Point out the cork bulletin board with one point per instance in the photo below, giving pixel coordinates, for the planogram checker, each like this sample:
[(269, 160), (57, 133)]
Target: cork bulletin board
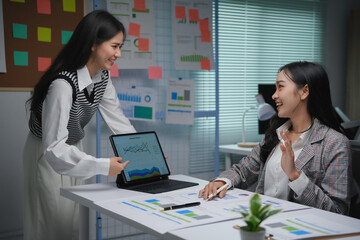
[(34, 33)]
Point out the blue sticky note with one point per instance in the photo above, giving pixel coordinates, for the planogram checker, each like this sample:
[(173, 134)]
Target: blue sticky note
[(19, 31), (65, 36), (21, 58)]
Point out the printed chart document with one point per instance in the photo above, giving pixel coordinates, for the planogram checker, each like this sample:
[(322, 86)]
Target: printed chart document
[(138, 103), (180, 102), (192, 25), (146, 209), (138, 51), (305, 225)]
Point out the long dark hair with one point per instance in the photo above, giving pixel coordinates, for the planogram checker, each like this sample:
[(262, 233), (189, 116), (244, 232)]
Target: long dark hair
[(319, 103), (95, 28)]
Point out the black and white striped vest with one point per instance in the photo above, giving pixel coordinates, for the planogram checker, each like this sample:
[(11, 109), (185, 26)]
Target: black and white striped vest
[(82, 109)]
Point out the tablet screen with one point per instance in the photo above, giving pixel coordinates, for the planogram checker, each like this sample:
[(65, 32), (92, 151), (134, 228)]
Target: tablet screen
[(144, 152)]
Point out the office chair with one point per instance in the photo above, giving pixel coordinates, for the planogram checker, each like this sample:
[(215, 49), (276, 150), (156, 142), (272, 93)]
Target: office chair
[(352, 129), (355, 190)]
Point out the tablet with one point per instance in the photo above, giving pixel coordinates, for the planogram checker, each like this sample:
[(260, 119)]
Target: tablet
[(147, 160)]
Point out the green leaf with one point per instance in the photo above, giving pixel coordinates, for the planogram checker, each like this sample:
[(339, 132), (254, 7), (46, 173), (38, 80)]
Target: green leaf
[(273, 212), (255, 204), (257, 214), (265, 209), (253, 222)]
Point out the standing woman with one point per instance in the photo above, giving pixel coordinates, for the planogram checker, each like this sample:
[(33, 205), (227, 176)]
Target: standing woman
[(62, 104), (304, 157)]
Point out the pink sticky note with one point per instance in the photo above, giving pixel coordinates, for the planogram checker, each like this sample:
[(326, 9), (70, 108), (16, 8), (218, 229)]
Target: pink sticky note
[(43, 63), (139, 5), (206, 36), (114, 71), (143, 44), (193, 15), (155, 72), (180, 12), (134, 29), (205, 64), (204, 25), (43, 6)]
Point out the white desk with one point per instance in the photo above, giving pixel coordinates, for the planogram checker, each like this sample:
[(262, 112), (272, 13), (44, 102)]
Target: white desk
[(87, 195), (225, 230), (90, 196), (233, 149)]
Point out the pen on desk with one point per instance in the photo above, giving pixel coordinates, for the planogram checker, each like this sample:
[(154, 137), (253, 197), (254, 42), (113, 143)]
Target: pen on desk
[(218, 191), (180, 206)]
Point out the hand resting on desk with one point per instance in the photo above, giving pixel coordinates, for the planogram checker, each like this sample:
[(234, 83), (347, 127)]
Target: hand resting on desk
[(211, 188)]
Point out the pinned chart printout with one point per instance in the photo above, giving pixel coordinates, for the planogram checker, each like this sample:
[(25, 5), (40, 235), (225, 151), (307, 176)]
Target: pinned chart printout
[(137, 16), (192, 25), (146, 209), (138, 103), (180, 102)]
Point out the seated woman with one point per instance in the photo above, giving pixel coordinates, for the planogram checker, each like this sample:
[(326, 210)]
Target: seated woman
[(304, 156)]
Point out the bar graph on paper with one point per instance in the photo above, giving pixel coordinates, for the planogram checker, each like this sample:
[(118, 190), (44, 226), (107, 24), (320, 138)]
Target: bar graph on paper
[(180, 102), (143, 209), (305, 226), (138, 103)]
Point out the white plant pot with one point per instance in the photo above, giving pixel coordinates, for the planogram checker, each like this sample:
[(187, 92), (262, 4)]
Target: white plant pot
[(246, 235)]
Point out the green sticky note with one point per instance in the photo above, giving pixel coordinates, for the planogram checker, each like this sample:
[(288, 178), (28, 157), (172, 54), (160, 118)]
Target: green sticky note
[(44, 34), (19, 31), (65, 36), (21, 58), (20, 1), (69, 6)]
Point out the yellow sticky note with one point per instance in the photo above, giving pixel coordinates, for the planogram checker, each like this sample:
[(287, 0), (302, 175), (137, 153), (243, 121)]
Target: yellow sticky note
[(44, 34), (20, 1), (69, 6)]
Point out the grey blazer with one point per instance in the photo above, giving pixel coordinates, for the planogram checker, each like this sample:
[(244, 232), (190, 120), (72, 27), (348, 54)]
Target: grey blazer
[(326, 161)]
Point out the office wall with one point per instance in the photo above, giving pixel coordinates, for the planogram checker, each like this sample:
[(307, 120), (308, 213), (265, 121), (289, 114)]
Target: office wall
[(335, 47), (13, 120)]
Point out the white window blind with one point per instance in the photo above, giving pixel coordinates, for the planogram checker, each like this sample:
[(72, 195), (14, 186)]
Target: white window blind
[(256, 37)]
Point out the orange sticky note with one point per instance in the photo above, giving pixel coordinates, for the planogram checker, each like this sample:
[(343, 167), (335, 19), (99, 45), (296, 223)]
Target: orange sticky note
[(206, 36), (193, 15), (139, 5), (143, 44), (155, 72), (43, 63), (204, 25), (134, 29), (114, 71), (43, 6), (205, 64), (180, 12)]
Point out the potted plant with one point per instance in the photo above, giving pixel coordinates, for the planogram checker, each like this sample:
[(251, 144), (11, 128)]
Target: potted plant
[(254, 217)]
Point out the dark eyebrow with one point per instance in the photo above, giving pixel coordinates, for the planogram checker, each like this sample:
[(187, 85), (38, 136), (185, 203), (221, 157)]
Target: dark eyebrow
[(279, 81)]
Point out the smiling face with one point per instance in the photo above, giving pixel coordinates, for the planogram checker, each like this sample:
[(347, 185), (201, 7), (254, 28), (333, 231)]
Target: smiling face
[(104, 55), (290, 100)]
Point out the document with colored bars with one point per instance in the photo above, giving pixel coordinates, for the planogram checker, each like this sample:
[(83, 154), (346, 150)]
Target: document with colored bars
[(139, 48), (138, 103), (180, 102), (146, 211)]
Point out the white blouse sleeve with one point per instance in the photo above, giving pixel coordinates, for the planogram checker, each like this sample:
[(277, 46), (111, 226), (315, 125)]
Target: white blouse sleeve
[(111, 112), (64, 158)]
